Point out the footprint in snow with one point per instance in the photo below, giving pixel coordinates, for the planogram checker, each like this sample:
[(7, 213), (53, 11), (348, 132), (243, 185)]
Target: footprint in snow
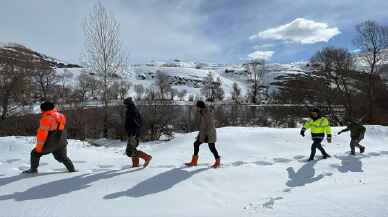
[(282, 160), (287, 190), (299, 157), (12, 160), (79, 161), (384, 152), (238, 163), (105, 166), (263, 163), (22, 168), (270, 204), (373, 154)]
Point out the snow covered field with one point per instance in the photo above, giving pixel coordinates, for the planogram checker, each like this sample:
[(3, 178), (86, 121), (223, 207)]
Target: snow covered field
[(263, 174)]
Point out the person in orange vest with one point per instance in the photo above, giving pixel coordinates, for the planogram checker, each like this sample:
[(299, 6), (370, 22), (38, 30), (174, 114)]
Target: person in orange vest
[(51, 138)]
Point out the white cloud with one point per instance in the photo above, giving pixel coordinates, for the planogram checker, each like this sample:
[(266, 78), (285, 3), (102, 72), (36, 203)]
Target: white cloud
[(264, 55), (301, 31)]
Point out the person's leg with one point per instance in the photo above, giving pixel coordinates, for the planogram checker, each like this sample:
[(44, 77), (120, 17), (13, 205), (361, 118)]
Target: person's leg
[(34, 162), (131, 151), (353, 144), (361, 147), (61, 156), (196, 147), (318, 145), (194, 159), (213, 149), (313, 151)]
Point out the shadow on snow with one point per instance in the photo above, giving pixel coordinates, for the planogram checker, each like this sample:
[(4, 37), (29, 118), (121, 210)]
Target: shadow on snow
[(157, 184), (60, 187)]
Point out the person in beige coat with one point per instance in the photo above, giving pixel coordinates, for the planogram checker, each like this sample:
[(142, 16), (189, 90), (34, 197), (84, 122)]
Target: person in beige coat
[(207, 134)]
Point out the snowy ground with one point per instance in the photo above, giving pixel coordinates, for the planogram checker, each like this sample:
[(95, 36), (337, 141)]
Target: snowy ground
[(263, 174)]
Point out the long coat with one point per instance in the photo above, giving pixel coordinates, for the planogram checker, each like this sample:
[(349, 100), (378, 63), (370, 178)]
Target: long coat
[(207, 130), (133, 121)]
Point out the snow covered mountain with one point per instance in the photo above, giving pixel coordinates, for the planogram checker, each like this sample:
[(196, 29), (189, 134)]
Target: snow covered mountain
[(262, 174), (20, 50)]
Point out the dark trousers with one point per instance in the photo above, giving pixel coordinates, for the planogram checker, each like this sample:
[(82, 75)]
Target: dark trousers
[(60, 155), (131, 150), (355, 143), (317, 145), (212, 147)]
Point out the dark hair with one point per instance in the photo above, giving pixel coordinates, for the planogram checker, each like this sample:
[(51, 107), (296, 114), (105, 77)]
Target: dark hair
[(201, 104), (47, 106)]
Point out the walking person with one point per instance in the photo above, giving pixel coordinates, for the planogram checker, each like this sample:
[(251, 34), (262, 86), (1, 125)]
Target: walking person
[(51, 138), (319, 126), (133, 126), (207, 134), (357, 133)]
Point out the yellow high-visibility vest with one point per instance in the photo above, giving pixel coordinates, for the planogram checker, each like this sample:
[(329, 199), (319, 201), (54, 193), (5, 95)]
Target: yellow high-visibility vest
[(320, 125)]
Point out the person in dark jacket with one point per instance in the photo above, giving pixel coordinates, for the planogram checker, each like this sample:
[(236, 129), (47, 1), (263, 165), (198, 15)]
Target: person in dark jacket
[(319, 126), (51, 138), (133, 126), (207, 134), (357, 132)]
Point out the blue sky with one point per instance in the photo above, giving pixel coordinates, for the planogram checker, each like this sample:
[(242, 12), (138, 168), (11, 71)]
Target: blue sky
[(223, 31)]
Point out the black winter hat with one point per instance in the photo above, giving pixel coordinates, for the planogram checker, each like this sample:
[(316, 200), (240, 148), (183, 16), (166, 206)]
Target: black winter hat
[(47, 106), (128, 101), (316, 110), (201, 104)]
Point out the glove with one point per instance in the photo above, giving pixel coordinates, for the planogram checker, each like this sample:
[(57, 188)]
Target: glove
[(329, 139), (302, 132)]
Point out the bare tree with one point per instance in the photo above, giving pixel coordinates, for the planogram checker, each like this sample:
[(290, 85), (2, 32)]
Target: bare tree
[(45, 78), (124, 87), (182, 94), (103, 52), (372, 39), (139, 90), (256, 69), (335, 65), (173, 93), (236, 94), (219, 91), (212, 90), (163, 83)]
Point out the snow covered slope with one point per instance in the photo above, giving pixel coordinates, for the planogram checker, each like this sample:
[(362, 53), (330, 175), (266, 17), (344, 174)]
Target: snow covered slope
[(263, 174)]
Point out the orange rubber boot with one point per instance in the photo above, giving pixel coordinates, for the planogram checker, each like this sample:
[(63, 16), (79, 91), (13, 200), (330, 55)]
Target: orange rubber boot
[(135, 162), (194, 161), (217, 164), (147, 158)]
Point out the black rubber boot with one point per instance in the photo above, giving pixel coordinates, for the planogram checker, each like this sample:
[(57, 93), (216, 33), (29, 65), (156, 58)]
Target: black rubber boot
[(34, 161), (362, 149), (69, 165)]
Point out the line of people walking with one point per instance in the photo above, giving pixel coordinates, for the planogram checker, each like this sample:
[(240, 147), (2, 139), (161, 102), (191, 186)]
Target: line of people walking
[(51, 136)]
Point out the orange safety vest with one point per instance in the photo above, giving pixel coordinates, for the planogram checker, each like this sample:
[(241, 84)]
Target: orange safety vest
[(50, 121)]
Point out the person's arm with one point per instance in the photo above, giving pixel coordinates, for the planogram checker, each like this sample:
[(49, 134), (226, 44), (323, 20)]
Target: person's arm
[(41, 136), (306, 126), (344, 130), (328, 131)]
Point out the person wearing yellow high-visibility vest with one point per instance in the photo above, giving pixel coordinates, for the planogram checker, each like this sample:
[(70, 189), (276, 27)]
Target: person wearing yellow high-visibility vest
[(319, 127)]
